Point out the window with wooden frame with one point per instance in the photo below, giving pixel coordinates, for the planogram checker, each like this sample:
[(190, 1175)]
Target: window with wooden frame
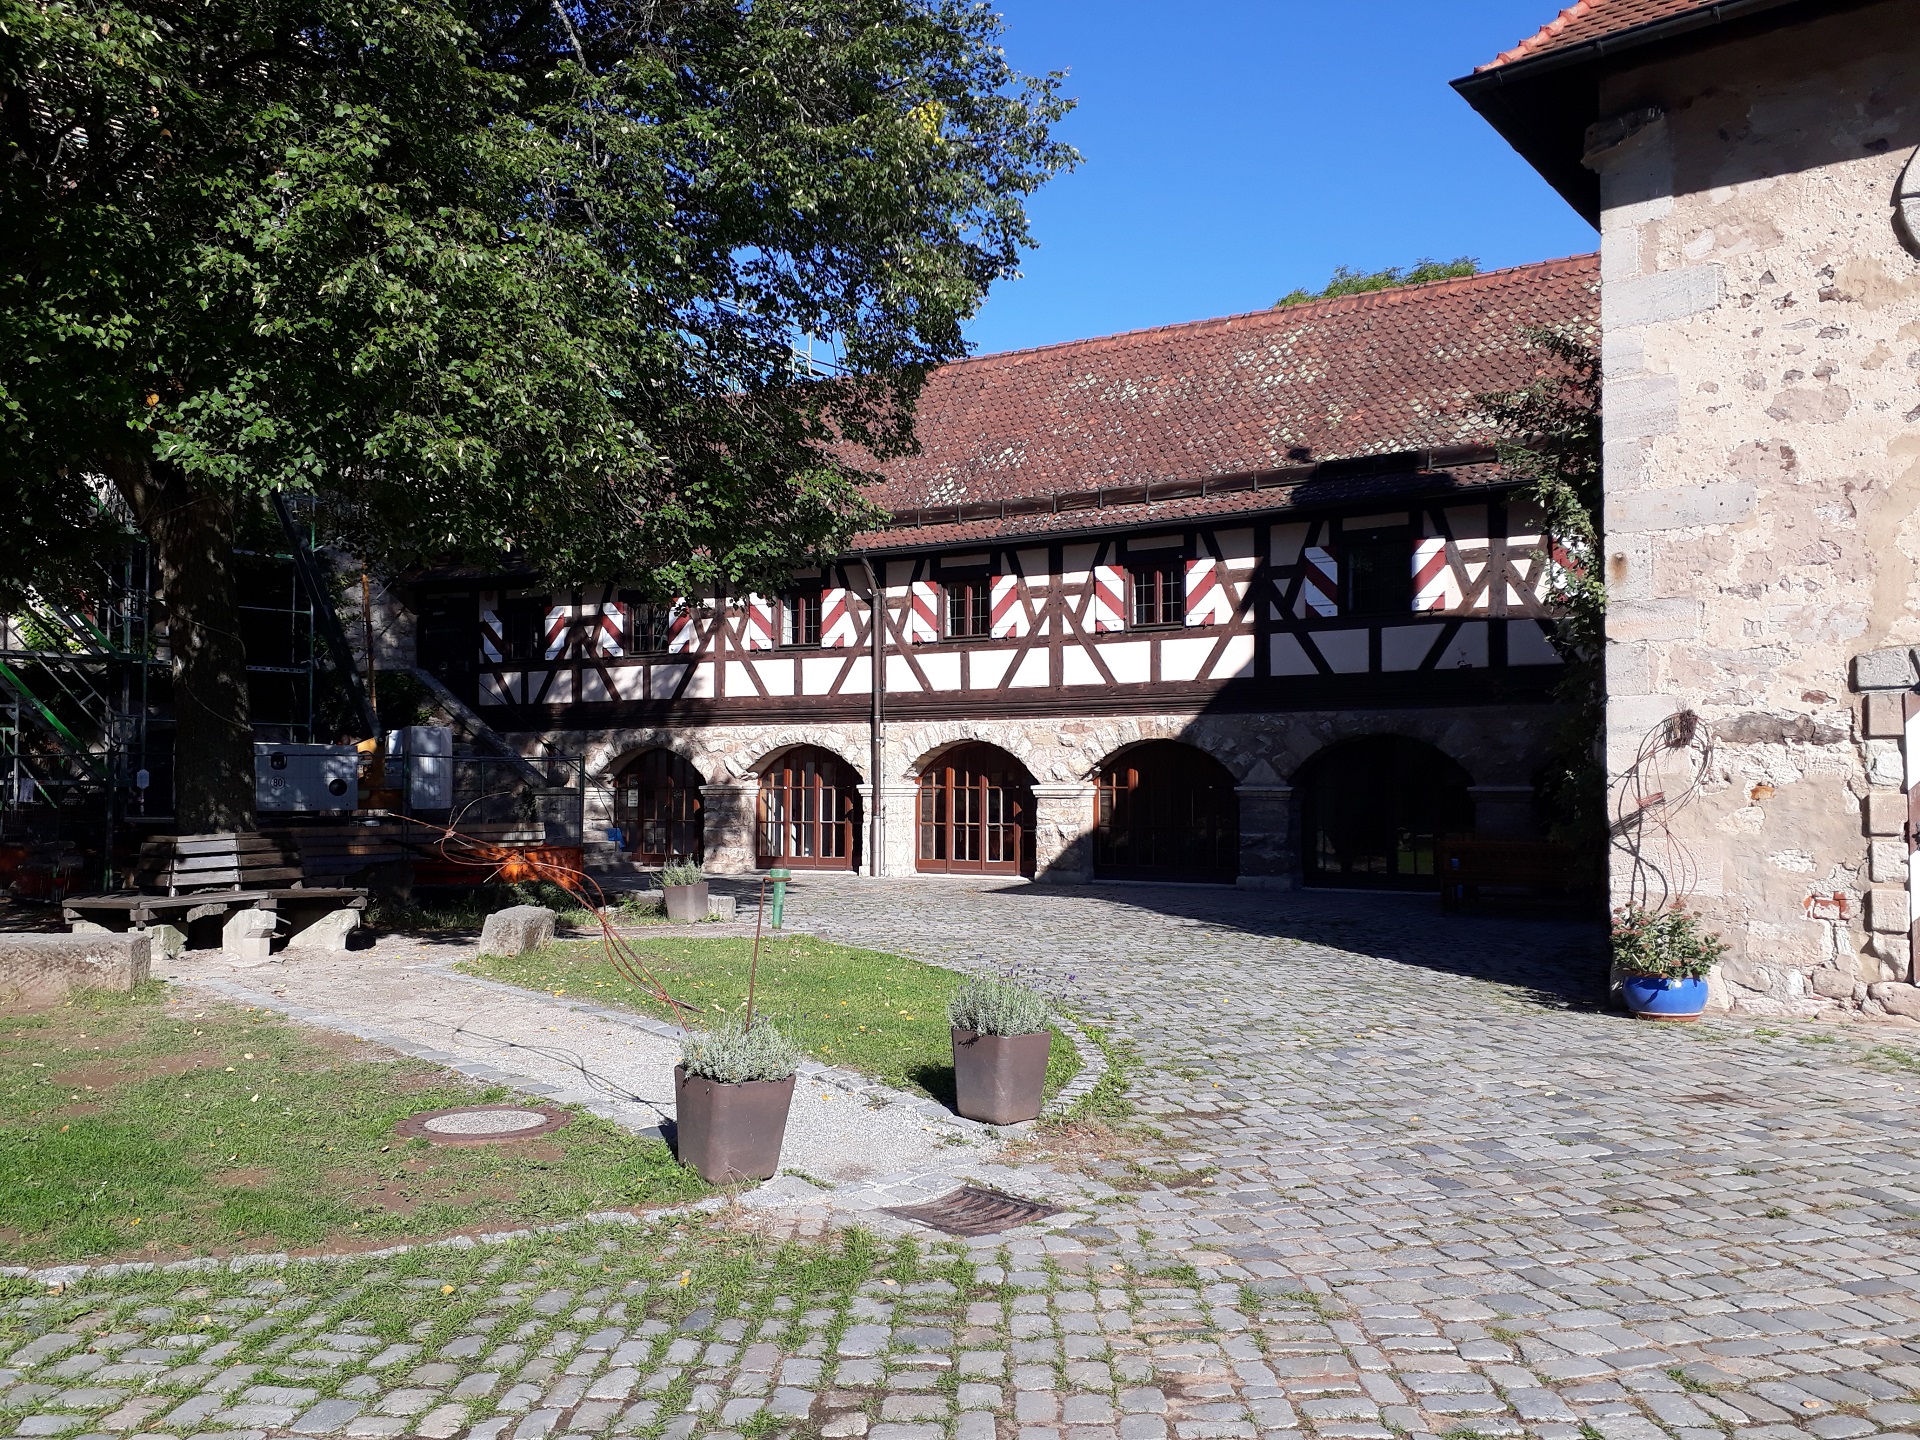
[(969, 607), (1159, 593), (800, 617), (523, 627), (1376, 573), (646, 624)]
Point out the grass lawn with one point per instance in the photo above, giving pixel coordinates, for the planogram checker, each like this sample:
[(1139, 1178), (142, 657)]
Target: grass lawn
[(882, 1015), (152, 1126)]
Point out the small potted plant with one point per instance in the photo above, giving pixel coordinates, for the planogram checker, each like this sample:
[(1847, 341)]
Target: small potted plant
[(1000, 1044), (686, 891), (1663, 958), (732, 1090)]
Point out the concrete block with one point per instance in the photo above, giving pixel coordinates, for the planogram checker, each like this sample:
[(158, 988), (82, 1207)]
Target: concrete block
[(1883, 716), (248, 935), (1886, 812), (329, 932), (1642, 406), (721, 907), (1663, 296), (44, 969), (516, 930), (1884, 669), (1887, 911), (1681, 508)]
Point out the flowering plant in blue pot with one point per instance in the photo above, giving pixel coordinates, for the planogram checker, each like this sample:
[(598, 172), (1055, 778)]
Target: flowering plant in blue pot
[(1663, 957)]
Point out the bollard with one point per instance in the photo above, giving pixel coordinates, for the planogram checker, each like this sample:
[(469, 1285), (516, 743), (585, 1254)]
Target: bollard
[(779, 879)]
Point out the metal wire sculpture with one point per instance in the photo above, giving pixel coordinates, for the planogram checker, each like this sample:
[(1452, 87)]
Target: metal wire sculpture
[(1665, 777)]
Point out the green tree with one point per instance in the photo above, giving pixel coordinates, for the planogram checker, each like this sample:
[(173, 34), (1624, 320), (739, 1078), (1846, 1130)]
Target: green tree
[(1360, 282), (1549, 436), (488, 276)]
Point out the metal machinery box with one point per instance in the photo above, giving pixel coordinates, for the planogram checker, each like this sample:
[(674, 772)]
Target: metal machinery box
[(305, 777), (423, 755)]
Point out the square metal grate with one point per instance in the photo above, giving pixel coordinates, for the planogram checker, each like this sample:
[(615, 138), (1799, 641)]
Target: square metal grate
[(974, 1210)]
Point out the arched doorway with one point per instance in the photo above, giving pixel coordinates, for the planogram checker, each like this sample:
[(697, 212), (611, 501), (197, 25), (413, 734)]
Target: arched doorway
[(809, 812), (656, 804), (1166, 812), (1373, 809), (975, 814)]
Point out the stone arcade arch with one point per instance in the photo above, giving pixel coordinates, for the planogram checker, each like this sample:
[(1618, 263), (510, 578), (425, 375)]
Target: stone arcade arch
[(808, 812), (659, 808), (1166, 811), (1373, 808), (974, 813)]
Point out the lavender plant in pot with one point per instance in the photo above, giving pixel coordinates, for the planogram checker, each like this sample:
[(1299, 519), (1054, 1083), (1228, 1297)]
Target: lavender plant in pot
[(732, 1090), (1000, 1044), (1663, 958), (685, 888)]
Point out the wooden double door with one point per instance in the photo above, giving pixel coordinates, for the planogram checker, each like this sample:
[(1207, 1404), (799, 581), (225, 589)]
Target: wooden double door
[(1166, 811), (974, 814), (809, 812), (658, 807)]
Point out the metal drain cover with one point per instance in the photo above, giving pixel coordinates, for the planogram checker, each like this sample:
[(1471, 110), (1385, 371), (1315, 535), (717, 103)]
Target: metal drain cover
[(482, 1124), (974, 1210)]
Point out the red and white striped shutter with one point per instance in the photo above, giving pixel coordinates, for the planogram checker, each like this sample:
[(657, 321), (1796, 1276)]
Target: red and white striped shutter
[(761, 614), (1320, 583), (1010, 620), (837, 630), (1435, 584), (610, 635), (492, 645), (923, 612), (1207, 600), (680, 630), (559, 624), (1108, 610)]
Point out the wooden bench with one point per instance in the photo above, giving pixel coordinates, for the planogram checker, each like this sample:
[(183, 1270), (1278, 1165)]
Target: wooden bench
[(1470, 868)]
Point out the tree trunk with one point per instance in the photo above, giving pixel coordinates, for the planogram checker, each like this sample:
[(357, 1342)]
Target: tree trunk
[(190, 528)]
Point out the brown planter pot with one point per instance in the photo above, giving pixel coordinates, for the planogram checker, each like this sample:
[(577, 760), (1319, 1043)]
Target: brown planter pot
[(730, 1132), (686, 903), (999, 1078)]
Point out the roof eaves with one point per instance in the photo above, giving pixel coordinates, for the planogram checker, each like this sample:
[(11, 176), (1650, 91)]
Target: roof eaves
[(1704, 17)]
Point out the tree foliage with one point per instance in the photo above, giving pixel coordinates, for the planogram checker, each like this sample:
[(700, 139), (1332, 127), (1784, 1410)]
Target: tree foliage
[(1360, 282), (1549, 436), (494, 275)]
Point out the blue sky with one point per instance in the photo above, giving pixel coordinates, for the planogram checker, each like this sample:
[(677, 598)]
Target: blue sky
[(1236, 149)]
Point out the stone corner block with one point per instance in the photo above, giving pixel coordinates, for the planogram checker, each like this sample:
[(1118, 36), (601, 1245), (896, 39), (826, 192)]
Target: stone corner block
[(516, 930), (1883, 715), (1897, 997), (1890, 669), (332, 931), (1885, 811), (43, 969), (1887, 911)]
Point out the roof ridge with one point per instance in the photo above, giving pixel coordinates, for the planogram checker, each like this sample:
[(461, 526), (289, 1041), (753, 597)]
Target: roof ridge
[(1335, 304)]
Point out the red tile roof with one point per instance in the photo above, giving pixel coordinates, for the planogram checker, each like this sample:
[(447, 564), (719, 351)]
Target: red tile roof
[(1376, 374), (1594, 20)]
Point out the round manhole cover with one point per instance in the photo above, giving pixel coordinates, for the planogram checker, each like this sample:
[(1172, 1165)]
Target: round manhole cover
[(482, 1124)]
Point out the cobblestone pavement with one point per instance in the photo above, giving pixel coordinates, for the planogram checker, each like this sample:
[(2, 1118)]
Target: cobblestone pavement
[(1415, 1180)]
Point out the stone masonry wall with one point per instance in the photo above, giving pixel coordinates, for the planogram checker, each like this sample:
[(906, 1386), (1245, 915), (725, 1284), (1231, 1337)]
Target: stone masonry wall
[(1762, 359), (1501, 747)]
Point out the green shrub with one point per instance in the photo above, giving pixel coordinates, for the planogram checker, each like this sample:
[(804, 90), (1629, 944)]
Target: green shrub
[(681, 872), (732, 1052), (988, 1005), (1666, 944)]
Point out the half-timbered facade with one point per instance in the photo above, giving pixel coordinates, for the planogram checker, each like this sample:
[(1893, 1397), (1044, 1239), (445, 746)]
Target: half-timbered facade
[(1146, 607)]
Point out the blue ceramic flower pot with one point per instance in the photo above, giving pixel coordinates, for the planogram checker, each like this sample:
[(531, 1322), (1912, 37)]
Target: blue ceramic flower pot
[(1651, 997)]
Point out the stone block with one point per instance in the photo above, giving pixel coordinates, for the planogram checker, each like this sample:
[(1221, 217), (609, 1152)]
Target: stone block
[(1898, 998), (1646, 406), (1883, 716), (1890, 669), (516, 930), (332, 931), (1681, 507), (1887, 911), (721, 907), (1831, 984), (168, 940), (248, 935), (43, 969), (1887, 862), (1886, 812), (1663, 296)]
